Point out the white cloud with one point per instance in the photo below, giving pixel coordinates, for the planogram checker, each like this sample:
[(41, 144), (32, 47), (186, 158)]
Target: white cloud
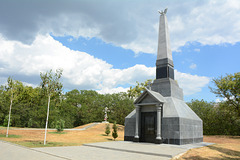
[(127, 24), (191, 84), (193, 66), (80, 70), (197, 50), (113, 90)]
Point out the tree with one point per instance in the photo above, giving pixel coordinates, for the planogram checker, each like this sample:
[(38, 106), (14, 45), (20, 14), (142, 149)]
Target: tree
[(119, 105), (52, 86), (11, 88), (217, 118), (6, 120), (114, 133), (92, 106), (107, 129), (229, 87), (136, 91), (206, 112)]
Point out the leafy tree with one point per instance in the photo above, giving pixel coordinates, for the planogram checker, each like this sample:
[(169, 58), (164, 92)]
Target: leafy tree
[(5, 122), (114, 132), (119, 105), (11, 87), (52, 86), (3, 105), (206, 112), (217, 119), (92, 106), (107, 129), (229, 87), (136, 91)]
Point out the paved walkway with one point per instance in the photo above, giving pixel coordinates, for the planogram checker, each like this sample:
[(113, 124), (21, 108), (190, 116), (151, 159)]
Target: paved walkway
[(119, 150), (10, 151)]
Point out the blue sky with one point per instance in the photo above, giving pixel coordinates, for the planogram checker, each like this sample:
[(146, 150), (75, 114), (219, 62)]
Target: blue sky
[(109, 45)]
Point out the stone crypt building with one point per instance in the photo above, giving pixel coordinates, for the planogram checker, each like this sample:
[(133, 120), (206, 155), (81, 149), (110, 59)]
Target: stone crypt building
[(161, 115)]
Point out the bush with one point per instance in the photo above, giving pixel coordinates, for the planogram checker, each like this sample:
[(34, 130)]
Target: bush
[(114, 133), (60, 125), (107, 131)]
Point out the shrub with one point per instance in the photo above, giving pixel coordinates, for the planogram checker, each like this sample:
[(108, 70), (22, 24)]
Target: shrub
[(107, 130), (114, 133), (60, 125)]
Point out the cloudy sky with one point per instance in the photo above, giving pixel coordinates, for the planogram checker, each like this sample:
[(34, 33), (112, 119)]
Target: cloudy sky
[(108, 45)]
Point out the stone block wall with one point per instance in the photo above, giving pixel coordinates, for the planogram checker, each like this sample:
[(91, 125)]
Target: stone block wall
[(181, 131), (130, 125)]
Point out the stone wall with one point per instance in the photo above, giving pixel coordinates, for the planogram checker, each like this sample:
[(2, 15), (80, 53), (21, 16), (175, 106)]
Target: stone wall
[(181, 131), (130, 125)]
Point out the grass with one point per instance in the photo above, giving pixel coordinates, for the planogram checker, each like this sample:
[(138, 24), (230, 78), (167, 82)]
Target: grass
[(57, 132), (225, 147), (34, 138), (36, 144), (10, 136)]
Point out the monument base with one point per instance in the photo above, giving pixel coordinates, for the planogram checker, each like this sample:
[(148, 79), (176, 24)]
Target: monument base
[(105, 122), (135, 139), (158, 141)]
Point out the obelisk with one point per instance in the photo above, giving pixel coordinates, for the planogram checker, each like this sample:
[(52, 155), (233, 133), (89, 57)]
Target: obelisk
[(165, 83)]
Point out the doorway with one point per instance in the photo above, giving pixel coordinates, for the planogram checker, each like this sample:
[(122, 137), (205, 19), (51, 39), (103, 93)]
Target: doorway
[(148, 127)]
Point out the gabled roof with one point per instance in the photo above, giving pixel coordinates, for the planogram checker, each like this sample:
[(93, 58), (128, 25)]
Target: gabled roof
[(157, 97)]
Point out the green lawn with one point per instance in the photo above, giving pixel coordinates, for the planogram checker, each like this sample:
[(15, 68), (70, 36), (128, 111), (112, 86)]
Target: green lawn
[(57, 132), (10, 136), (36, 144)]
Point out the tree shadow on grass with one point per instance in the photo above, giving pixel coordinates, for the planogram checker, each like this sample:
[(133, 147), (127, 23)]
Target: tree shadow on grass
[(234, 137), (225, 154), (110, 139), (225, 151)]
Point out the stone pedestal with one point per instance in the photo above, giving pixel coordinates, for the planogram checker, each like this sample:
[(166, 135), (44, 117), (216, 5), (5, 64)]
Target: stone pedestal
[(167, 87)]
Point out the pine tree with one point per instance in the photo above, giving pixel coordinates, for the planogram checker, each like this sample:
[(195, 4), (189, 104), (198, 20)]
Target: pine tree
[(107, 129), (114, 133)]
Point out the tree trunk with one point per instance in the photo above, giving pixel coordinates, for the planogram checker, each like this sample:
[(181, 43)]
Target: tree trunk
[(47, 120), (9, 117)]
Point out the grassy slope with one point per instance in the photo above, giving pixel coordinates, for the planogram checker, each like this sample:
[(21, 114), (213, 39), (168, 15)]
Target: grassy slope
[(34, 138)]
